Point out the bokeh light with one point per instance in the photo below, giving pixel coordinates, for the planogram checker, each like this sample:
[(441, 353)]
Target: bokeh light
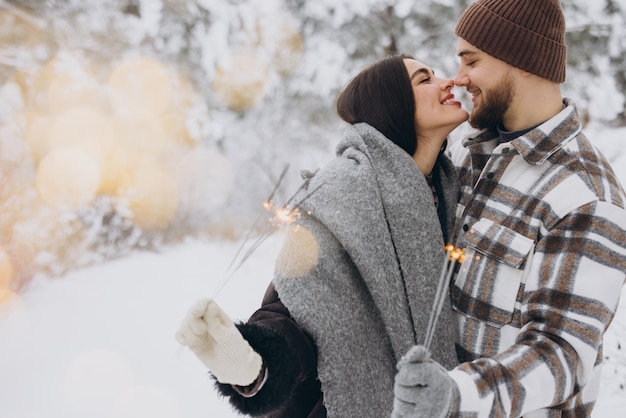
[(103, 140), (240, 81), (68, 178), (140, 81), (6, 269), (5, 295), (41, 237), (175, 126), (63, 81), (118, 162), (152, 194), (83, 128), (289, 48), (184, 92), (22, 259), (36, 133), (95, 379), (142, 128), (68, 90), (22, 38), (19, 30), (77, 138), (299, 254)]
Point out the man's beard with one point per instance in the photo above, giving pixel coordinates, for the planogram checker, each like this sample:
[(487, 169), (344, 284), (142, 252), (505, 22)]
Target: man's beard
[(490, 113)]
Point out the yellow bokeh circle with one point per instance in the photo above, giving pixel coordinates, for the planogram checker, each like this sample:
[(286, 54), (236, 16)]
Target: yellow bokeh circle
[(152, 195), (68, 178), (288, 50), (69, 90), (140, 81), (87, 129), (299, 254), (240, 81), (6, 269), (36, 135), (118, 164)]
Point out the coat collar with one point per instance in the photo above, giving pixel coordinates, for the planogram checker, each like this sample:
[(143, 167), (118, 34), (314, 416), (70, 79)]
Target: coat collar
[(537, 145), (408, 214)]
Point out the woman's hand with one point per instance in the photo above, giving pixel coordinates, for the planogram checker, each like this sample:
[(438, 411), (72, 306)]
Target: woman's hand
[(215, 340)]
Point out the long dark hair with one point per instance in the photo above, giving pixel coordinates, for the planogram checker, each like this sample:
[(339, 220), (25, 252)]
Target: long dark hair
[(381, 96)]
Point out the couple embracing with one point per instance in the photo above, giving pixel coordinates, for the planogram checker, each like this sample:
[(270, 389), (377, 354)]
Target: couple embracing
[(535, 208)]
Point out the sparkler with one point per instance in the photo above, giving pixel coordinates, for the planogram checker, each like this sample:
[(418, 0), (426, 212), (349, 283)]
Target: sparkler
[(284, 215), (450, 260)]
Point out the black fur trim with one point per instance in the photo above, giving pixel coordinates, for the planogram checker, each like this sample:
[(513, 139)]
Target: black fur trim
[(283, 369)]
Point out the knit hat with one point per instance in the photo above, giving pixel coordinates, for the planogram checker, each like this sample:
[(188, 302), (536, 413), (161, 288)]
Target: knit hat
[(528, 34)]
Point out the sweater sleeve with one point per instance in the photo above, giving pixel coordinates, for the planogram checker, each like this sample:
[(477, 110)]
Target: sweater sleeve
[(570, 296), (289, 358)]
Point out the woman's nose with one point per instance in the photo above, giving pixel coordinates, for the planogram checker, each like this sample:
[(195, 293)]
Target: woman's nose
[(447, 83)]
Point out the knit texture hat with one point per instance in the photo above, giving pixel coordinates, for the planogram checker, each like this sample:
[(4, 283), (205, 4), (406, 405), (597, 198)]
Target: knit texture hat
[(528, 34)]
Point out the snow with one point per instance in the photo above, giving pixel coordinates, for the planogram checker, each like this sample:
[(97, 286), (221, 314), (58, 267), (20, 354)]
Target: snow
[(99, 341)]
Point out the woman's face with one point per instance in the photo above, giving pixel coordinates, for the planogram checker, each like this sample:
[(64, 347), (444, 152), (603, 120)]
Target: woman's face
[(436, 111)]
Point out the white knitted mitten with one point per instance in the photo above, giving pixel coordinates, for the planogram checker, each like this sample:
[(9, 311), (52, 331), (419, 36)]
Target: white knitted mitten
[(215, 340)]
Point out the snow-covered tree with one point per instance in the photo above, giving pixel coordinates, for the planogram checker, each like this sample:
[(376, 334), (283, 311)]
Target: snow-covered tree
[(181, 115)]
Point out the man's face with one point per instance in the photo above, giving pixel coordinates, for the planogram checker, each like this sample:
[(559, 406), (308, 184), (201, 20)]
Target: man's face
[(490, 83)]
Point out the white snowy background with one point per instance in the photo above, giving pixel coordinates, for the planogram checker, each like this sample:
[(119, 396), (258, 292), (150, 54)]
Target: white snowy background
[(207, 100)]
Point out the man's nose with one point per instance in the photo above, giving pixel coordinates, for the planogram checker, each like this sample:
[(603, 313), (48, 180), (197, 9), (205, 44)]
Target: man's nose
[(461, 78)]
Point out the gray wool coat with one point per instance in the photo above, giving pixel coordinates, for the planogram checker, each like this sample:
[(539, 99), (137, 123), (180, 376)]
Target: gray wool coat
[(359, 271)]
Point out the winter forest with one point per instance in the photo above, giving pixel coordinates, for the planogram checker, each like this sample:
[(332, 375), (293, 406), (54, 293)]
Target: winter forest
[(131, 125)]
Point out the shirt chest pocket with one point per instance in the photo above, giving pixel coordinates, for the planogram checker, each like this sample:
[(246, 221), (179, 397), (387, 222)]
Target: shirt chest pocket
[(490, 281)]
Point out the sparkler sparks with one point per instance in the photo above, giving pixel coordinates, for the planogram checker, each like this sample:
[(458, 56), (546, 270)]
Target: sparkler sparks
[(282, 216)]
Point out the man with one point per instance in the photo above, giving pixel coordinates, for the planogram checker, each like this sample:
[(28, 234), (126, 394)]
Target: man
[(542, 224)]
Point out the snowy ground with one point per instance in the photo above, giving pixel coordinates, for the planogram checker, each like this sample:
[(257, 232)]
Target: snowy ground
[(99, 342)]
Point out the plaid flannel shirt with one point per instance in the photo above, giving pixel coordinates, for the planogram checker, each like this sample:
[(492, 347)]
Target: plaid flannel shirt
[(542, 222)]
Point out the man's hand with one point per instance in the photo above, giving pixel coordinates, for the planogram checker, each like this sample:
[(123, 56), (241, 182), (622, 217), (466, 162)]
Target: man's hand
[(422, 387)]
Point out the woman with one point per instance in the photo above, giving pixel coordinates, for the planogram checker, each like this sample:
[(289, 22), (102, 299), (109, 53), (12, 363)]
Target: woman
[(355, 281)]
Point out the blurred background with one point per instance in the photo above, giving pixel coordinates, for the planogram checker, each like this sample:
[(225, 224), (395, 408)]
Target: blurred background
[(131, 124)]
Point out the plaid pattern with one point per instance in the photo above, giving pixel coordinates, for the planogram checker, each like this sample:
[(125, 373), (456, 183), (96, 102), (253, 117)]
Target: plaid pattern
[(543, 226)]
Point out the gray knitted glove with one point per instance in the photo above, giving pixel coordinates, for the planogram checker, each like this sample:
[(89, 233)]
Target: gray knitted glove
[(422, 387)]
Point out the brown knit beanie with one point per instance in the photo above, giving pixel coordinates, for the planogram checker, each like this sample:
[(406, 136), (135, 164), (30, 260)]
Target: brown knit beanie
[(528, 34)]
